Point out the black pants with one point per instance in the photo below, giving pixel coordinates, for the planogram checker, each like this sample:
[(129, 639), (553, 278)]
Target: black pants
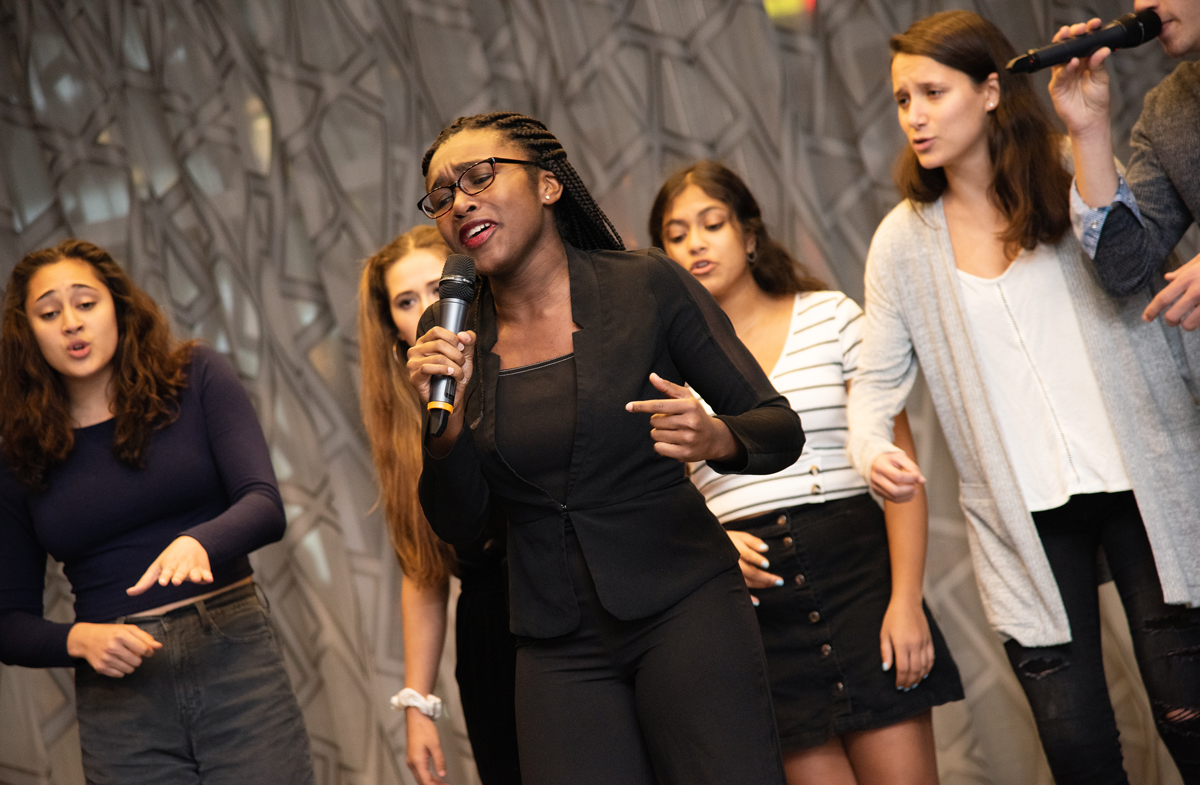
[(1065, 684), (678, 698), (486, 672)]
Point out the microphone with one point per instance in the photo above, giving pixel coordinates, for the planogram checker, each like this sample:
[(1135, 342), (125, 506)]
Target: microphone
[(1128, 31), (456, 290)]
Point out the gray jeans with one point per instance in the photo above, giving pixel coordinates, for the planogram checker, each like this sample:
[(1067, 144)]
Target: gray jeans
[(213, 706)]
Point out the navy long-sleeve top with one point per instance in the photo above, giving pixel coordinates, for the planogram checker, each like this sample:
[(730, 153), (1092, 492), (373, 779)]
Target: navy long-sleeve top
[(208, 475)]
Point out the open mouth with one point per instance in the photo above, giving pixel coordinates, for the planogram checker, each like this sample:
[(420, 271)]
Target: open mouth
[(700, 267), (78, 349), (922, 143), (476, 234)]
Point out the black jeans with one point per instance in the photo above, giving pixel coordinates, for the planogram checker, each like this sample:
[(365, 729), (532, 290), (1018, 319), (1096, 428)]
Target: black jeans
[(1065, 684), (214, 706)]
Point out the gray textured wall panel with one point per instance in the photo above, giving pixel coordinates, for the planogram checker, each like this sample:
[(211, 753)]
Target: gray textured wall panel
[(243, 156)]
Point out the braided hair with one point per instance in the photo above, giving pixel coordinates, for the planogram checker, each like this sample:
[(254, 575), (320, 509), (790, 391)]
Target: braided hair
[(580, 220)]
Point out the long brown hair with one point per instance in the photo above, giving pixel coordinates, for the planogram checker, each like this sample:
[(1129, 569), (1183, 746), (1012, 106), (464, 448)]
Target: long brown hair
[(774, 269), (1030, 182), (392, 413), (36, 431)]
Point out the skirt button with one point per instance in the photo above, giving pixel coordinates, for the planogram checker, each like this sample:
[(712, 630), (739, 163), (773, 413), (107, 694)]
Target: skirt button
[(799, 580), (787, 541), (826, 649), (781, 520), (814, 617)]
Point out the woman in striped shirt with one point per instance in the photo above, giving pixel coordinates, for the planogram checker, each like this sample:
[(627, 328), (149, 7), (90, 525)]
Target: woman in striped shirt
[(855, 660)]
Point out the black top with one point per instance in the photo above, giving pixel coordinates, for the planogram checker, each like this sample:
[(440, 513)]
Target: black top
[(535, 421), (645, 530), (208, 475)]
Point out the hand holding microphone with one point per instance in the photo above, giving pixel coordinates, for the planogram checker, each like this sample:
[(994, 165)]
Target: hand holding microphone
[(1084, 40), (442, 360)]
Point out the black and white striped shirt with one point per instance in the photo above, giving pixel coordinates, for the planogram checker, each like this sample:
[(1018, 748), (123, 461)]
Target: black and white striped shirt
[(819, 357)]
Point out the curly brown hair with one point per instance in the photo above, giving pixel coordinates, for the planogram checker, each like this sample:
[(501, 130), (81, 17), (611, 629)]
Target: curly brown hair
[(391, 411), (36, 430)]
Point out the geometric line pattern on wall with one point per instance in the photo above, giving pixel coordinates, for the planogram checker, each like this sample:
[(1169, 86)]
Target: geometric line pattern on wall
[(242, 157)]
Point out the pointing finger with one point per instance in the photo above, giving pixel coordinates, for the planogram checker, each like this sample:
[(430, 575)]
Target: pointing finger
[(670, 389)]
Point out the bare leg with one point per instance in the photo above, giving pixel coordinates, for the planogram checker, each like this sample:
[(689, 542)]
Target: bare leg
[(824, 765), (900, 754)]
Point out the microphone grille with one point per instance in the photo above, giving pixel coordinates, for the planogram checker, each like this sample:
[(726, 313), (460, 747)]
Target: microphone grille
[(1151, 24), (458, 278), (1138, 28)]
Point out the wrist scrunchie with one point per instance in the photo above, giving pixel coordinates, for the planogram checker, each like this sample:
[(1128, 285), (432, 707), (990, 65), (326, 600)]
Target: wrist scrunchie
[(429, 705)]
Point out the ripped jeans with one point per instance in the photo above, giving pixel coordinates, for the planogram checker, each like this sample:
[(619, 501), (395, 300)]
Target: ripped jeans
[(1065, 684)]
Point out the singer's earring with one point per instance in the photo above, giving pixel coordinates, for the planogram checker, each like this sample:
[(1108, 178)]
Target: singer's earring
[(752, 257), (396, 351)]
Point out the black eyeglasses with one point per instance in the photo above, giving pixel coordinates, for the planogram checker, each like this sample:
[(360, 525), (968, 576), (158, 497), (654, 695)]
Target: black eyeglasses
[(475, 180)]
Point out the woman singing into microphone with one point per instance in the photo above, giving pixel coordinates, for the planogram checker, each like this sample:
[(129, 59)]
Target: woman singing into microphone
[(639, 659), (398, 283), (1071, 428), (139, 463)]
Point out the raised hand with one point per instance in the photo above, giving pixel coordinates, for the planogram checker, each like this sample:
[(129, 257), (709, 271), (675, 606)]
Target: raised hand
[(440, 352), (111, 649), (184, 560), (1079, 88), (680, 427)]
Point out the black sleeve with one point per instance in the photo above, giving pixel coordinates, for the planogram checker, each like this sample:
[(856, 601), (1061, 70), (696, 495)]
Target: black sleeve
[(255, 516), (714, 361), (453, 492), (26, 637)]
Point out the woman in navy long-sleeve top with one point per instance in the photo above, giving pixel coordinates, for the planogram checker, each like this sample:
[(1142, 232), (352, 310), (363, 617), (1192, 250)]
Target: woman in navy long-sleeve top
[(640, 659), (140, 465)]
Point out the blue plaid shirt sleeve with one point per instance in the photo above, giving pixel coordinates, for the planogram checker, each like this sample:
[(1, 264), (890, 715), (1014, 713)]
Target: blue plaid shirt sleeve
[(1089, 222)]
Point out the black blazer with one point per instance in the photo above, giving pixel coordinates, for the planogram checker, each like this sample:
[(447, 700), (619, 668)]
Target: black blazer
[(645, 530)]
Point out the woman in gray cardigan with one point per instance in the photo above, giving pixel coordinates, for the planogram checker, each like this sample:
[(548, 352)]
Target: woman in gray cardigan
[(1069, 422)]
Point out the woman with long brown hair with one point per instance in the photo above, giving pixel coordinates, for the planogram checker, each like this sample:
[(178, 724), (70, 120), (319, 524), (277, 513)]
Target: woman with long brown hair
[(139, 463), (832, 574), (398, 284), (1060, 407)]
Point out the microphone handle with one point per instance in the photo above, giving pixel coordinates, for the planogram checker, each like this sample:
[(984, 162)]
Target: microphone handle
[(443, 388), (1113, 36)]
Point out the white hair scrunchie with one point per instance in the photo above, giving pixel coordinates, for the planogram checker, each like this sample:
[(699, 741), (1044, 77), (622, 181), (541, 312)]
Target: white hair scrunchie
[(429, 705)]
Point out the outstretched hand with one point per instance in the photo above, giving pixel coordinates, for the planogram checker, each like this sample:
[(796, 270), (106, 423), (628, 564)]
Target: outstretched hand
[(682, 429), (184, 560), (1079, 88), (1179, 298)]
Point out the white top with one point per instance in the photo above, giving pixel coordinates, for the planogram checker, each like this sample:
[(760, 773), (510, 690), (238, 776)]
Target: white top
[(819, 356), (1040, 383)]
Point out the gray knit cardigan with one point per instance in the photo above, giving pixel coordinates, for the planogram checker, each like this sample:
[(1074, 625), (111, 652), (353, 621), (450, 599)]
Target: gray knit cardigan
[(914, 314)]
